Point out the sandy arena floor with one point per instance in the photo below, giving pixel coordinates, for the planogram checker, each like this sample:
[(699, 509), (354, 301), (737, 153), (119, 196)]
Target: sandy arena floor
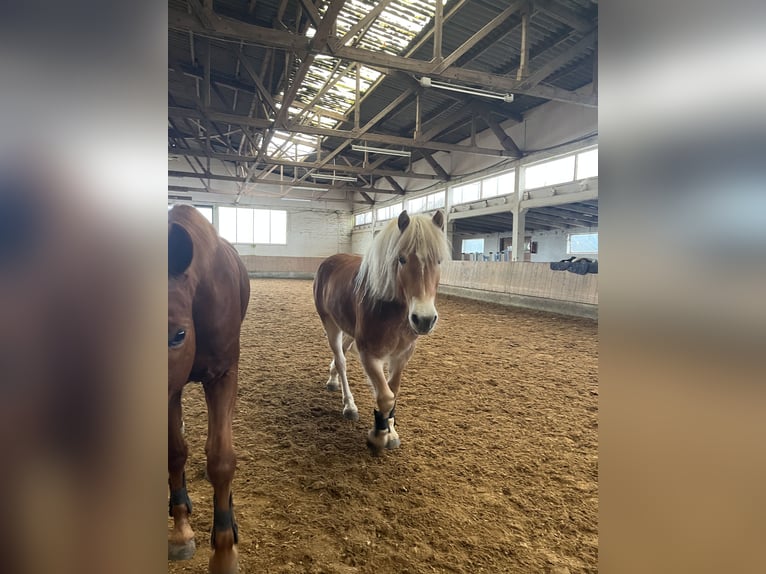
[(498, 468)]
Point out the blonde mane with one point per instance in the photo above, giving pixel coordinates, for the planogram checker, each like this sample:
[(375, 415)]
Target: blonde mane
[(377, 274)]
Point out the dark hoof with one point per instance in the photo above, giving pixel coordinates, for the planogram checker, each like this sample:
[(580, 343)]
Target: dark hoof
[(373, 448), (350, 415), (181, 551), (376, 442), (332, 387)]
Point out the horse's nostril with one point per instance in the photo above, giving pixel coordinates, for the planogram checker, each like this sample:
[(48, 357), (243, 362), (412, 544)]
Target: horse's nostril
[(414, 319)]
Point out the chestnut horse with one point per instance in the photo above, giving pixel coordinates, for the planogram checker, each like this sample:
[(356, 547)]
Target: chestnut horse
[(382, 303), (208, 292)]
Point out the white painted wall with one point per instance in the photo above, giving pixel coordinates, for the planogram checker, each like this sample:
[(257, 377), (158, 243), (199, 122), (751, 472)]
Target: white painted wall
[(361, 239), (309, 234)]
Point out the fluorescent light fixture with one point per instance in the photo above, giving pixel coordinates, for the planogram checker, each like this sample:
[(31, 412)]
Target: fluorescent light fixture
[(429, 83), (293, 199), (300, 188), (333, 177), (381, 150)]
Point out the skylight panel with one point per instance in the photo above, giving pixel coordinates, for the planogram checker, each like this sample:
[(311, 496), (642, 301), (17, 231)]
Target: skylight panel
[(391, 33)]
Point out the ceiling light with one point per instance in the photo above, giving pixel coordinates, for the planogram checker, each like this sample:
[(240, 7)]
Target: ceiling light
[(293, 199), (429, 83), (381, 150), (301, 188), (333, 177)]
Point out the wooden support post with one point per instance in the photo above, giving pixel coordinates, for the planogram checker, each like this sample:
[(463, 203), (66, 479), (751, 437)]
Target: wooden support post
[(438, 23), (358, 97), (416, 135), (524, 59), (519, 217)]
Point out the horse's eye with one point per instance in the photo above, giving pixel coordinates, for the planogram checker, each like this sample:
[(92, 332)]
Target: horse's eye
[(402, 259), (177, 339)]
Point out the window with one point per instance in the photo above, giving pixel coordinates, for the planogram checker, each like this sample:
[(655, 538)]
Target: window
[(549, 173), (466, 193), (435, 200), (587, 164), (473, 245), (363, 218), (582, 243), (498, 185), (416, 204), (227, 223), (489, 187), (426, 202), (389, 212), (244, 225), (207, 212)]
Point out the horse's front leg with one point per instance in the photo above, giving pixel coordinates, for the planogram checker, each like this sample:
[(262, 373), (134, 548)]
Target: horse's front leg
[(379, 436), (396, 367), (181, 544), (220, 395)]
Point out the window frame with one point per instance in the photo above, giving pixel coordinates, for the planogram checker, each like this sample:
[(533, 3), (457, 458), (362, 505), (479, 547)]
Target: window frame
[(462, 244), (234, 238), (569, 243)]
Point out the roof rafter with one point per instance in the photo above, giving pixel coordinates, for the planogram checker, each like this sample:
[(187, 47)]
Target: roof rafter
[(302, 164), (228, 28)]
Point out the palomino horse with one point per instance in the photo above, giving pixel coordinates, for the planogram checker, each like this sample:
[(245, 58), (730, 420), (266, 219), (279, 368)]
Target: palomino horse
[(208, 292), (382, 303)]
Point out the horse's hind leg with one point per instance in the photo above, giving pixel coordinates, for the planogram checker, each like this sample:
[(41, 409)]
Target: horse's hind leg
[(220, 395), (339, 343), (181, 539), (333, 383)]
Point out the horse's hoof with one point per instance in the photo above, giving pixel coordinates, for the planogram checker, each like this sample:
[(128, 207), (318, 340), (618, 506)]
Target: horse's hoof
[(393, 442), (350, 414), (181, 551), (332, 387), (376, 443), (224, 562), (374, 449)]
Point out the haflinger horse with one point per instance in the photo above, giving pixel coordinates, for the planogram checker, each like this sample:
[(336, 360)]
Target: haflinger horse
[(208, 293), (381, 303)]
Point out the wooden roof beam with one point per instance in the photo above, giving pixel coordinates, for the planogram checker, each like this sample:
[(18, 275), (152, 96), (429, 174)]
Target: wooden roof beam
[(505, 140), (398, 189), (564, 15), (435, 165), (480, 35), (234, 29), (360, 170), (562, 59)]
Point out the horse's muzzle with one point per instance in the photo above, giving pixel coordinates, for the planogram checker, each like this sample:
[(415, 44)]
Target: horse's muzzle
[(423, 324)]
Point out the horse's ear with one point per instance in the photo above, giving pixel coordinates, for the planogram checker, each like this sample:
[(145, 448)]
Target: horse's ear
[(180, 250), (438, 219), (404, 220)]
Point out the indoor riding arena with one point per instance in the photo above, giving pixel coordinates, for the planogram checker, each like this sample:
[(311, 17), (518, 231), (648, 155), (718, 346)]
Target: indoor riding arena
[(301, 129), (498, 468)]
